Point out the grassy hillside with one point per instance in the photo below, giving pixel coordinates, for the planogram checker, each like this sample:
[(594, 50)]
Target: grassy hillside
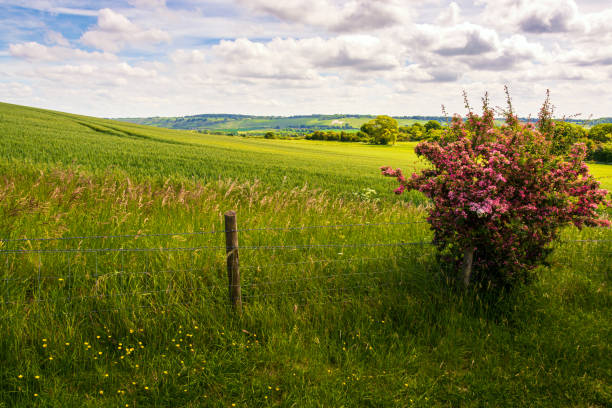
[(339, 316), (48, 137)]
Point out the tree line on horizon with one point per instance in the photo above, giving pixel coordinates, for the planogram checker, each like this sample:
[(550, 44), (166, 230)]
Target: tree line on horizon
[(384, 130)]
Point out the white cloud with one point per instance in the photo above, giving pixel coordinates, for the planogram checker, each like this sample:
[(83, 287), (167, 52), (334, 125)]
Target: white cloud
[(555, 72), (90, 75), (510, 52), (348, 16), (188, 56), (11, 90), (549, 16), (279, 59), (114, 32), (587, 57), (147, 3), (538, 16), (33, 51), (467, 39), (600, 21), (302, 59), (53, 37), (450, 16)]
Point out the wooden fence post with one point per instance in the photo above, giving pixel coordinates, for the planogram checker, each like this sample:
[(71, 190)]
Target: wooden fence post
[(233, 265), (468, 258)]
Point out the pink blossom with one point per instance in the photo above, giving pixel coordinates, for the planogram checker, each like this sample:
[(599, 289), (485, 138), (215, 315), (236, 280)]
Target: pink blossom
[(503, 191)]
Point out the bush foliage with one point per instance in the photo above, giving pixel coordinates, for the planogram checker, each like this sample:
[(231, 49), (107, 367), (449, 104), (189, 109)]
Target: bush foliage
[(503, 193)]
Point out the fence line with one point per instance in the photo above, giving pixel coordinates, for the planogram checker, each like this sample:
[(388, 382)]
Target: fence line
[(38, 278), (117, 273), (218, 247), (115, 295), (94, 250), (585, 240), (191, 289), (172, 234), (329, 260), (108, 236), (250, 247), (210, 232), (317, 277), (279, 294), (160, 272)]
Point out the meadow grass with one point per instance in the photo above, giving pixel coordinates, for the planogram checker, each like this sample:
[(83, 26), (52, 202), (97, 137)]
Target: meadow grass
[(322, 326)]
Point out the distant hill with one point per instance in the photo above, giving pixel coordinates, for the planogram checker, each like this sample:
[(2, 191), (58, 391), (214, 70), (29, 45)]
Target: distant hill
[(599, 121), (246, 123), (249, 123)]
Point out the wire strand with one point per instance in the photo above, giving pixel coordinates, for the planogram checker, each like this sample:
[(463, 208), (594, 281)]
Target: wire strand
[(161, 249), (209, 232)]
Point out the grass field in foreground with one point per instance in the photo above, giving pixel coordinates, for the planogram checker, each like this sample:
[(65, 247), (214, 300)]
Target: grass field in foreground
[(322, 326)]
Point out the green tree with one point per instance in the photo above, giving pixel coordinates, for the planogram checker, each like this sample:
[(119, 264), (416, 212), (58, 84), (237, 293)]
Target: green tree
[(417, 131), (432, 125), (601, 132), (382, 130), (564, 135)]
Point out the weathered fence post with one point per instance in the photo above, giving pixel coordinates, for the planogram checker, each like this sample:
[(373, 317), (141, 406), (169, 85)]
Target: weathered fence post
[(468, 258), (233, 265)]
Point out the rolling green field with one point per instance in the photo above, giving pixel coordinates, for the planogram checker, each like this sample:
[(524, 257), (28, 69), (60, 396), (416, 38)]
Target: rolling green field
[(336, 315)]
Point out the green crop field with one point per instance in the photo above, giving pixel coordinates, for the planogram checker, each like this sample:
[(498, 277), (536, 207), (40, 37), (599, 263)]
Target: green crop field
[(133, 311)]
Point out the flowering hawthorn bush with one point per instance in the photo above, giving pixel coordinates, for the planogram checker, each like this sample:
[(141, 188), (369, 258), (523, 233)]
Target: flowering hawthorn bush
[(500, 195)]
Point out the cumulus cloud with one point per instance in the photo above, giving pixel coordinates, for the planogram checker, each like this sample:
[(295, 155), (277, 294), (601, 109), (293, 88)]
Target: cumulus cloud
[(116, 74), (187, 56), (467, 39), (450, 15), (9, 90), (599, 23), (444, 75), (349, 16), (511, 52), (587, 57), (536, 17), (278, 59), (53, 37), (33, 51), (555, 72), (147, 3), (295, 59), (114, 32), (549, 17)]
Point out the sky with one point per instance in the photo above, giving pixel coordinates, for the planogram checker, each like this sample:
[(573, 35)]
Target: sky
[(127, 58)]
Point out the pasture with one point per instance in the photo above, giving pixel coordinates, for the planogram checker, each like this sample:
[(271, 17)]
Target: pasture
[(337, 315)]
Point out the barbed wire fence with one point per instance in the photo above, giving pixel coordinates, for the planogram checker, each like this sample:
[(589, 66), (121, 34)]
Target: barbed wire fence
[(90, 279)]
